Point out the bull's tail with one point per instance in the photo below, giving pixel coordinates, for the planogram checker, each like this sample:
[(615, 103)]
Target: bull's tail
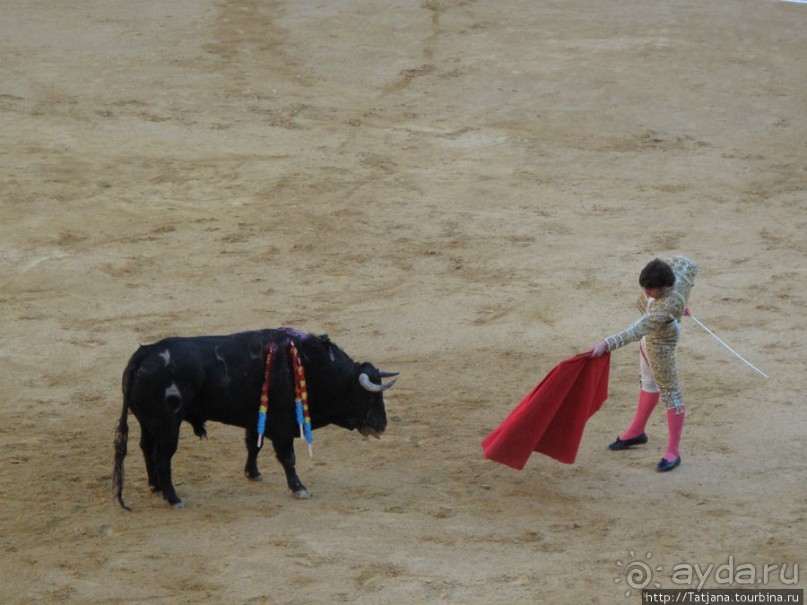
[(122, 431), (121, 439)]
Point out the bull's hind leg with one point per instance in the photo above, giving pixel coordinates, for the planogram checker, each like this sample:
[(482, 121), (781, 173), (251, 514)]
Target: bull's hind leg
[(164, 441), (164, 450), (285, 455), (158, 449), (157, 400), (251, 468), (147, 447)]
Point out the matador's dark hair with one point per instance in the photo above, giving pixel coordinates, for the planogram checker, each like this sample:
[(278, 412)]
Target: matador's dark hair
[(656, 274)]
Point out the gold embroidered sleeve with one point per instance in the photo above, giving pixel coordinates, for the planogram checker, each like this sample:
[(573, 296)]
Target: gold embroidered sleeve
[(660, 313)]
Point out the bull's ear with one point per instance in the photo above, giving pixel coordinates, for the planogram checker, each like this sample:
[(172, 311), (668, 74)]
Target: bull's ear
[(384, 374)]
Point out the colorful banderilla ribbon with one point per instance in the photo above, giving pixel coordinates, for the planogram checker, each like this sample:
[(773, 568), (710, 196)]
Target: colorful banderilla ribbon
[(301, 399), (265, 395)]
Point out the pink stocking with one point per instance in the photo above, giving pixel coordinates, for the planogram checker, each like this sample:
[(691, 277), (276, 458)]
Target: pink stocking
[(675, 426), (647, 402)]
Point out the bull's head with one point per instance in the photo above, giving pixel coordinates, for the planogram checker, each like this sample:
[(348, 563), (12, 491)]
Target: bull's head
[(370, 417)]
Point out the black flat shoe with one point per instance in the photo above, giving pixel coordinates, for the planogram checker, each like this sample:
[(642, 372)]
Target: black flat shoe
[(665, 465), (621, 444)]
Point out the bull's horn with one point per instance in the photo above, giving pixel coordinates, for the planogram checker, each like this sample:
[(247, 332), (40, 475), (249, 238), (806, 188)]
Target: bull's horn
[(364, 380), (384, 374)]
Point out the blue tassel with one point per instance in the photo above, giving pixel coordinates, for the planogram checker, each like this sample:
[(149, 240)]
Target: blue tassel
[(300, 420)]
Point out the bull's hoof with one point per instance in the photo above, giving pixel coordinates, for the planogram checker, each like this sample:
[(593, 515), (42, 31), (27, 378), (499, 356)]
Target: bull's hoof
[(301, 494), (258, 477), (178, 505)]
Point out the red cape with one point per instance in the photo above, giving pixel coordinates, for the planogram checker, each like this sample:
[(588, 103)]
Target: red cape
[(551, 419)]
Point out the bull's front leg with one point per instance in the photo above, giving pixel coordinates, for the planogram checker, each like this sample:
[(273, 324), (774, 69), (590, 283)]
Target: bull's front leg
[(284, 450), (251, 468)]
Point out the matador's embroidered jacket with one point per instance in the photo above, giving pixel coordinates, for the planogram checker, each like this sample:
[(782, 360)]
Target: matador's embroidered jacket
[(659, 324)]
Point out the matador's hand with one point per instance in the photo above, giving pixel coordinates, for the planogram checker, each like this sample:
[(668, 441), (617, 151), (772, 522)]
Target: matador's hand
[(599, 349)]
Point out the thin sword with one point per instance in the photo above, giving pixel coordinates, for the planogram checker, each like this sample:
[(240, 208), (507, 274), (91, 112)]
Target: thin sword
[(697, 321)]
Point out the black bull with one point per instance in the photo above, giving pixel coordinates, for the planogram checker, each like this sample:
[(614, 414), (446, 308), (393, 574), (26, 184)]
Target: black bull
[(221, 378)]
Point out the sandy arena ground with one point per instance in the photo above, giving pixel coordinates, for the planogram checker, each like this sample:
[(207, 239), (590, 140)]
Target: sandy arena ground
[(459, 190)]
